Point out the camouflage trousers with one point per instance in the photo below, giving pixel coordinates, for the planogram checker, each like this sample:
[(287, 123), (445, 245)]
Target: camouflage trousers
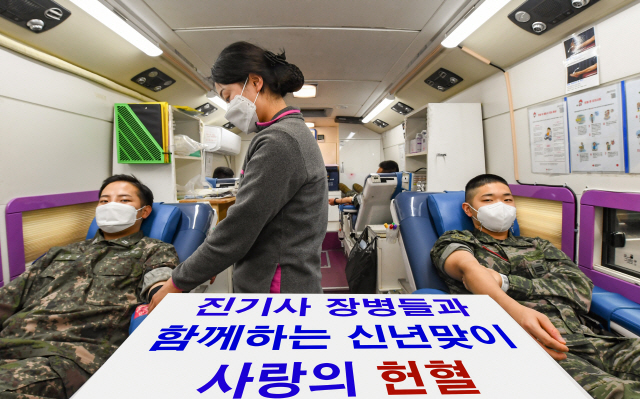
[(606, 367), (40, 377)]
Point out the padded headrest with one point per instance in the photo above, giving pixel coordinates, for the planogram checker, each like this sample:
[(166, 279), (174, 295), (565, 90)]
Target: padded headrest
[(447, 214), (411, 204), (398, 186), (385, 175), (161, 224), (214, 183)]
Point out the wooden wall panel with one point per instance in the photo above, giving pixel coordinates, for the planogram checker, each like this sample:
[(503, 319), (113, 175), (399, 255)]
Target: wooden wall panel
[(540, 218)]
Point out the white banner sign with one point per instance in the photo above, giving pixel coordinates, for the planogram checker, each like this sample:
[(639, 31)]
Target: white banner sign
[(596, 130), (549, 138), (632, 89), (337, 346)]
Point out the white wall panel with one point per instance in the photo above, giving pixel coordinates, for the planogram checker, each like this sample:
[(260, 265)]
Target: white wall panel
[(56, 132)]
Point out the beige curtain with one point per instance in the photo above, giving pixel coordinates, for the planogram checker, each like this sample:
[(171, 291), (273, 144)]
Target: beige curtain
[(46, 228), (540, 218)]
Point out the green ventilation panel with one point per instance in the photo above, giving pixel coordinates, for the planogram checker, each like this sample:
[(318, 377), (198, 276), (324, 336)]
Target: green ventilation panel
[(139, 133)]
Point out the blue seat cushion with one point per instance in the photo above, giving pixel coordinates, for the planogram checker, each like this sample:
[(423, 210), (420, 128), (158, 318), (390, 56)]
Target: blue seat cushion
[(430, 291), (447, 214), (611, 306), (161, 223), (192, 229), (411, 204), (344, 207)]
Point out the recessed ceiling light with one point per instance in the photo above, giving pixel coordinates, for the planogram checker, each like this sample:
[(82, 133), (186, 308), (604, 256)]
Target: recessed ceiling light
[(307, 91), (477, 17), (383, 104), (310, 124)]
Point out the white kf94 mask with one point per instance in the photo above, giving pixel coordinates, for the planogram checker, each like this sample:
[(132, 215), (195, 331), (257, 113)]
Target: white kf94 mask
[(497, 217), (242, 112), (115, 217)]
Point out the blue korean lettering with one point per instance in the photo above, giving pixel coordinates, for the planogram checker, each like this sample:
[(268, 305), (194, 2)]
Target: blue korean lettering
[(168, 340), (444, 334), (360, 331), (228, 333), (303, 335), (215, 302), (414, 331)]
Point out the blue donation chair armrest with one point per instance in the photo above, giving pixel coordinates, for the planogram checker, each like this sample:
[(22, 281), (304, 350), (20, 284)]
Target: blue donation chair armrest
[(613, 307)]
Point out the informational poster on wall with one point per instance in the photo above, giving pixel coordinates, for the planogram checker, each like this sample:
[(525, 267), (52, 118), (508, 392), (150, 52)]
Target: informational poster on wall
[(581, 61), (549, 138), (596, 130), (632, 89)]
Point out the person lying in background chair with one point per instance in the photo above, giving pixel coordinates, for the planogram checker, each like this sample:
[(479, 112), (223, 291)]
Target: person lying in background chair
[(352, 197), (222, 172), (539, 286), (69, 311)]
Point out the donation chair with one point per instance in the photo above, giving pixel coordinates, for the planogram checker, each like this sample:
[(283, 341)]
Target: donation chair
[(379, 189), (183, 225), (423, 217), (222, 183)]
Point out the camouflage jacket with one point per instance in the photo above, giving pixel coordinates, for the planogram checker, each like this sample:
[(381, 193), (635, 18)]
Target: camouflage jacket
[(76, 301), (541, 276)]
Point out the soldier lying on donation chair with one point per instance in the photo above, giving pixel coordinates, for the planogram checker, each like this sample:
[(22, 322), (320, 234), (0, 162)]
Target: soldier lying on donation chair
[(68, 312), (539, 286)]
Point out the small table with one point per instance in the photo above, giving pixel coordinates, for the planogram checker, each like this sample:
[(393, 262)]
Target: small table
[(319, 346), (219, 204)]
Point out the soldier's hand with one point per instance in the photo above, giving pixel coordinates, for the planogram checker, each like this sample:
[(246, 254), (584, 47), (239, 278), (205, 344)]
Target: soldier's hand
[(542, 330), (167, 288)]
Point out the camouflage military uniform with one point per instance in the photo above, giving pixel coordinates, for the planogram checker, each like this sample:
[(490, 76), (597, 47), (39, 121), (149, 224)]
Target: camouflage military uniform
[(64, 316), (543, 278)]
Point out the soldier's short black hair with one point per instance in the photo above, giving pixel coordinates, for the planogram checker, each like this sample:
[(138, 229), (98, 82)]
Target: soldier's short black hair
[(389, 166), (222, 172), (479, 181), (144, 193)]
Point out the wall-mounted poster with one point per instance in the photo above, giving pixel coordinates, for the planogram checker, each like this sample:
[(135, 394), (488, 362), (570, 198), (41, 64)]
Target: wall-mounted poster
[(580, 42), (581, 61), (596, 130), (549, 138), (632, 89)]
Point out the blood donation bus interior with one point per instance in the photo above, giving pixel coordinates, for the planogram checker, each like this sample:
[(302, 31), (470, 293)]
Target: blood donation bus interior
[(542, 93)]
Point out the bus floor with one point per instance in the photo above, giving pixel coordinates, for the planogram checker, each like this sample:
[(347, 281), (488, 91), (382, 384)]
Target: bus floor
[(334, 261)]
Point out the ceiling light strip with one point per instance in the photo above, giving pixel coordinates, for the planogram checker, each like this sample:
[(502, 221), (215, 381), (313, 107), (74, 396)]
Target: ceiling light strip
[(469, 25), (379, 108), (114, 22)]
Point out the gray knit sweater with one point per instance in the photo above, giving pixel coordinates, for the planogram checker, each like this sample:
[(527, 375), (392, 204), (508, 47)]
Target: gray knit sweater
[(279, 218)]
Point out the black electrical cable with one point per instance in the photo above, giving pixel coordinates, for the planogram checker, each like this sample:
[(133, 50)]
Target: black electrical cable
[(575, 198)]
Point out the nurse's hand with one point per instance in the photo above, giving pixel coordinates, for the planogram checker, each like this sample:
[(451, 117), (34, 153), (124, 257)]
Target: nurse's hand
[(167, 288)]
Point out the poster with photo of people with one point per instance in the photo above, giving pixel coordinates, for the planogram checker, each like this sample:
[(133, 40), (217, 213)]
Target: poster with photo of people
[(596, 130)]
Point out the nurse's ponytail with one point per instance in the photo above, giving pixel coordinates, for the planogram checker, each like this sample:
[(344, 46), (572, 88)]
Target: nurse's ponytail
[(240, 59)]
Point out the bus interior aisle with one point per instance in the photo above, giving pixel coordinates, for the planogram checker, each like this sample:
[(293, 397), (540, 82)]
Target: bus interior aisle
[(326, 184)]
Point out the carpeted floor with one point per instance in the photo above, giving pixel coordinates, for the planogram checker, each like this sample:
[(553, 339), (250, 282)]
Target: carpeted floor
[(334, 261)]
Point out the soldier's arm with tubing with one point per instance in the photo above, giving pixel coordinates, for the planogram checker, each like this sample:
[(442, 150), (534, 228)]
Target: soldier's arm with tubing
[(563, 280), (463, 266)]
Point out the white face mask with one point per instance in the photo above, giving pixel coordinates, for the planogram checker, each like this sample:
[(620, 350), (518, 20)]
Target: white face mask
[(242, 112), (115, 217), (497, 217)]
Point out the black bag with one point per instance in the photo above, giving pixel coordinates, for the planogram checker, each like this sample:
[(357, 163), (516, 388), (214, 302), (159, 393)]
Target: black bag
[(362, 265)]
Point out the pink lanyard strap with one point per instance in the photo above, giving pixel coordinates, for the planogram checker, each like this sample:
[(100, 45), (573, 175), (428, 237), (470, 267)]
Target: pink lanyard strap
[(271, 122)]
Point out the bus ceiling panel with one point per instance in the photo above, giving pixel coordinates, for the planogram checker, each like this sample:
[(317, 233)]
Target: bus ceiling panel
[(187, 14), (505, 44), (84, 42), (417, 93), (344, 54)]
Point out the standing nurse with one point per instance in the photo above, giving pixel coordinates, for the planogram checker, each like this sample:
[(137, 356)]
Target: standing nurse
[(274, 232)]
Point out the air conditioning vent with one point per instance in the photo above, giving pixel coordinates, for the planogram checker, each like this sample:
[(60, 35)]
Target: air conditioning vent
[(443, 79), (35, 15), (316, 113), (539, 16), (348, 119)]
